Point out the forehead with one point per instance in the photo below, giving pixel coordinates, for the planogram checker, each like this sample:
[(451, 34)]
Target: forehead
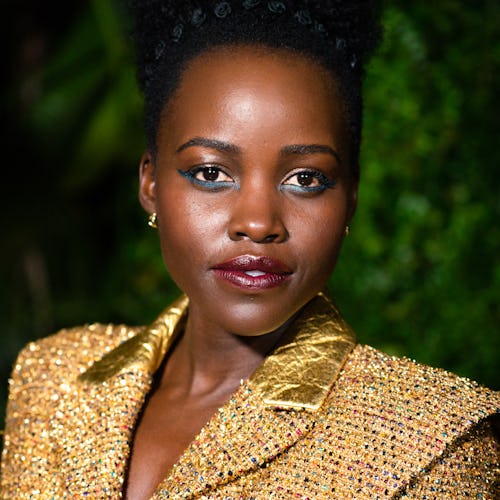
[(247, 85), (262, 67)]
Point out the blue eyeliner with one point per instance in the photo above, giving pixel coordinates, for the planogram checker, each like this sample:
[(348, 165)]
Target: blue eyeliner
[(324, 183), (322, 179), (210, 185), (307, 189)]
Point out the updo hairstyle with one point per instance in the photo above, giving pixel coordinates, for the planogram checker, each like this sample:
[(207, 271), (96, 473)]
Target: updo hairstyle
[(338, 34)]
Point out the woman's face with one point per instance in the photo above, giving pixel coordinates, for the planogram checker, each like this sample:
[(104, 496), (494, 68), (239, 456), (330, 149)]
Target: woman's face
[(251, 185)]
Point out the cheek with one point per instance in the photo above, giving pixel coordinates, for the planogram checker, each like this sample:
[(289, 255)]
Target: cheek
[(189, 230), (318, 235)]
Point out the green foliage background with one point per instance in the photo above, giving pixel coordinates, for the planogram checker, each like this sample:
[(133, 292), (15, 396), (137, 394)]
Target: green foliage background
[(419, 275)]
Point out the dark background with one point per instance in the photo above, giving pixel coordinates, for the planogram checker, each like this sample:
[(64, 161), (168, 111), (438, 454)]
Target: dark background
[(419, 275)]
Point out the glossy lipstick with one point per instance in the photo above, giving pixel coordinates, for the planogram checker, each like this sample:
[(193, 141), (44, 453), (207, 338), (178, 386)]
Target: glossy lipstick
[(253, 273)]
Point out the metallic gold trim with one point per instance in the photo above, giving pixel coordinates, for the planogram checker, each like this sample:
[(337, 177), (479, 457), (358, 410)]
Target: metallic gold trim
[(297, 375), (300, 371), (146, 350)]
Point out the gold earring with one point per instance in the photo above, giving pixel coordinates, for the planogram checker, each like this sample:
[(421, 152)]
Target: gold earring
[(153, 220), (347, 230)]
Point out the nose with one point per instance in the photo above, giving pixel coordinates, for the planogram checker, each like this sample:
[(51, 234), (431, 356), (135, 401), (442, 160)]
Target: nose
[(256, 215)]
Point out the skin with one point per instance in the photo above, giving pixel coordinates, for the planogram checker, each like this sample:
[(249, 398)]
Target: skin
[(262, 104)]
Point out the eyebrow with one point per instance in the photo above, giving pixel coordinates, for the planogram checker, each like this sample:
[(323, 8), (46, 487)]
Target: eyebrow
[(223, 147), (227, 147), (310, 149)]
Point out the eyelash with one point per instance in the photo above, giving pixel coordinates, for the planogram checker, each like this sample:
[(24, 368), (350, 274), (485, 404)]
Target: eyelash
[(324, 182), (190, 175)]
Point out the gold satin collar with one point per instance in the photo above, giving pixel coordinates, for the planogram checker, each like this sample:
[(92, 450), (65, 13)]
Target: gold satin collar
[(297, 374), (146, 350)]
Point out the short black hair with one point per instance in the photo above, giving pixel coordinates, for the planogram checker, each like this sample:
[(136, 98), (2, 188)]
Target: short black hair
[(338, 34)]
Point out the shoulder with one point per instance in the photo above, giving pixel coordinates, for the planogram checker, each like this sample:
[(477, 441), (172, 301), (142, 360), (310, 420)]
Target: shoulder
[(404, 419), (42, 380), (68, 352), (417, 388), (403, 405)]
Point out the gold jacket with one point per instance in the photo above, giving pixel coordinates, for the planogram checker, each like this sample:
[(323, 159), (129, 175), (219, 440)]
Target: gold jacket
[(322, 417)]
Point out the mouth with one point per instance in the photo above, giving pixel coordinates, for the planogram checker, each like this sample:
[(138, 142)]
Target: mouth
[(254, 273)]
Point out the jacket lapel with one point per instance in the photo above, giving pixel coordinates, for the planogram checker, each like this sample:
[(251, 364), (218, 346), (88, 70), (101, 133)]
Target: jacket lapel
[(271, 411), (242, 436), (101, 410), (145, 351), (300, 371), (99, 420)]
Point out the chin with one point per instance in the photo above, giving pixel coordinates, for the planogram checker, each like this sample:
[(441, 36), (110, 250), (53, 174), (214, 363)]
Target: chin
[(256, 319)]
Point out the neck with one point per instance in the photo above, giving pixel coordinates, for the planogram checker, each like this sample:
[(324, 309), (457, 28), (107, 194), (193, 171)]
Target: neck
[(208, 360)]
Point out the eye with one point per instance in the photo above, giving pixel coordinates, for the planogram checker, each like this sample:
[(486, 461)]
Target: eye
[(211, 174), (307, 181), (209, 177)]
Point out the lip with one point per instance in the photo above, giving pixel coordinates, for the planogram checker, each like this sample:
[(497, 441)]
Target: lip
[(270, 272)]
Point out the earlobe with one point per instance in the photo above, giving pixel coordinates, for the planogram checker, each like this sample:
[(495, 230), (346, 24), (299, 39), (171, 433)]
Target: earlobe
[(147, 193)]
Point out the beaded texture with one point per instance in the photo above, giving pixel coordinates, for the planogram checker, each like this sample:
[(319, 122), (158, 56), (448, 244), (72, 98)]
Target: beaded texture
[(349, 29), (196, 16), (385, 428)]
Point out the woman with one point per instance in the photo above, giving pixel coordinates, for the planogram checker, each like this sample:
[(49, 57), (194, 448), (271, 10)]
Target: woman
[(252, 385)]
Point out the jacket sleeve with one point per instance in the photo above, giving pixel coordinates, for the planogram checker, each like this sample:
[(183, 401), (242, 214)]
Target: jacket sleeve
[(27, 439), (469, 469)]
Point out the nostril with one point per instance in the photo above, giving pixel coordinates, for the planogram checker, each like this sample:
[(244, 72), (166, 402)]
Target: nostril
[(256, 228), (270, 238), (266, 239)]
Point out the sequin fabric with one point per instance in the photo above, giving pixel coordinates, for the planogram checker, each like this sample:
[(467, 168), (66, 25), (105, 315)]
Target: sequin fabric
[(320, 418)]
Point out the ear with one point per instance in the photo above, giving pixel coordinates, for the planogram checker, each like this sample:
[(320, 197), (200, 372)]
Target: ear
[(147, 192)]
